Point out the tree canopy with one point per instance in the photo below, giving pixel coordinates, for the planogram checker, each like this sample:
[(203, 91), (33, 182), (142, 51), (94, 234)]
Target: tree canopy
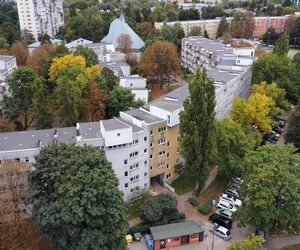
[(223, 27), (78, 186), (252, 242), (293, 129), (282, 46), (197, 128), (91, 58), (272, 186)]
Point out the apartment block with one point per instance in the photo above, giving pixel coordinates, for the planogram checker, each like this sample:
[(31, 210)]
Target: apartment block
[(7, 66), (40, 16), (125, 144)]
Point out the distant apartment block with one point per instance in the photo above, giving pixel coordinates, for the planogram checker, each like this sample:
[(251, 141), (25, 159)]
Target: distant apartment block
[(40, 16), (262, 24), (7, 65)]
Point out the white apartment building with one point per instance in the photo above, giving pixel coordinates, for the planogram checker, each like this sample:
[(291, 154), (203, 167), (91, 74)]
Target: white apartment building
[(125, 145), (7, 65), (40, 16)]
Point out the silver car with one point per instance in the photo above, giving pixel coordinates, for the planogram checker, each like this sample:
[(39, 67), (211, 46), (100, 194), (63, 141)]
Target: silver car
[(220, 231)]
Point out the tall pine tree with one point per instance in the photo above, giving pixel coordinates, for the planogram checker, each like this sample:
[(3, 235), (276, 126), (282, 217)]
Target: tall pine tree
[(223, 27), (197, 128)]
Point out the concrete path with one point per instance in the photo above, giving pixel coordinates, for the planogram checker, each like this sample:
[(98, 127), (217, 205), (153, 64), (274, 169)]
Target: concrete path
[(280, 242)]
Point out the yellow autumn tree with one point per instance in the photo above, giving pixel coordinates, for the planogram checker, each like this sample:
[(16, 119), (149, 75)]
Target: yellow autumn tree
[(273, 91), (256, 110), (92, 71), (60, 63)]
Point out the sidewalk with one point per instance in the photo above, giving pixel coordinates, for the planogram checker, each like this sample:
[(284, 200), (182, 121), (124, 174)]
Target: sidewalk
[(280, 242)]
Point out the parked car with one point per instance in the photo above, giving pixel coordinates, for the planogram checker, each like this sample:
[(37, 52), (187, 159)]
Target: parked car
[(231, 200), (220, 231), (226, 205), (238, 180), (234, 185), (220, 220), (233, 192), (224, 212), (268, 137)]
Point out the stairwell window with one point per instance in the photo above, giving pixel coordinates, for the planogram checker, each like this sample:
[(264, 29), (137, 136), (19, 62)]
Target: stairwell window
[(161, 164)]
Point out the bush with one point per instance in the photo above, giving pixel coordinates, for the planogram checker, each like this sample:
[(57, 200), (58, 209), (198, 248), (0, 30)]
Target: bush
[(206, 208), (194, 202), (177, 216), (141, 228)]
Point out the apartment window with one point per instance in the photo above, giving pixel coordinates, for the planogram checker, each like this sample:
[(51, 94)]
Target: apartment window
[(161, 153), (145, 151), (151, 145), (161, 164), (168, 144), (169, 176), (126, 173), (26, 159), (150, 156), (118, 134), (135, 141), (178, 138), (125, 161), (177, 150), (17, 159), (126, 185), (169, 119), (145, 138), (151, 132), (134, 178), (168, 166), (161, 130), (145, 174), (151, 168), (145, 162), (134, 166), (168, 155), (134, 154), (161, 141), (145, 185), (131, 190)]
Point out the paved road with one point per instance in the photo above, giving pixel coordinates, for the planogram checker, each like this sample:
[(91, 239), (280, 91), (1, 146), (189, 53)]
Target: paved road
[(279, 242)]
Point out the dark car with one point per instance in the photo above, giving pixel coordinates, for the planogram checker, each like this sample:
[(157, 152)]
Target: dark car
[(270, 138), (220, 220), (233, 192)]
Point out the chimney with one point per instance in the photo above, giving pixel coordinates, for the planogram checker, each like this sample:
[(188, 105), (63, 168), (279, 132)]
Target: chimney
[(55, 133), (78, 132)]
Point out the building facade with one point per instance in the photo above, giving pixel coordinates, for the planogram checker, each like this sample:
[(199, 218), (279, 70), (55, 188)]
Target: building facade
[(7, 66), (40, 16)]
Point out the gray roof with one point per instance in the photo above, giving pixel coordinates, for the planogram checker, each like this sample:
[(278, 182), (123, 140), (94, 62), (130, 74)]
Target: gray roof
[(222, 76), (135, 129), (113, 124), (77, 42), (90, 130), (175, 230), (6, 58), (143, 116), (119, 27), (38, 44), (30, 139), (115, 67)]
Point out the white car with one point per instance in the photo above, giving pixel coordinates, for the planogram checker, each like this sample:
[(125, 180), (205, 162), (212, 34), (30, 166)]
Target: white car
[(226, 205), (220, 231), (230, 199)]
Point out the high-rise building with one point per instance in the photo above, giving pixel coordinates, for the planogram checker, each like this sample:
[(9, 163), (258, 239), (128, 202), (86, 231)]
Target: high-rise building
[(40, 16)]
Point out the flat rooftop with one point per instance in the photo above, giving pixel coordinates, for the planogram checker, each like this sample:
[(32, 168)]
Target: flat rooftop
[(112, 124), (143, 116)]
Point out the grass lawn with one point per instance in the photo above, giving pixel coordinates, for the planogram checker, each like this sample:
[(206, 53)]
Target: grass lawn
[(291, 247), (134, 206), (182, 185), (292, 52)]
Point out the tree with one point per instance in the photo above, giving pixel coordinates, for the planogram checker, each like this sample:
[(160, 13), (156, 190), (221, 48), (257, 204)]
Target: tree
[(17, 103), (20, 51), (60, 63), (61, 50), (150, 211), (293, 130), (206, 35), (296, 60), (91, 58), (274, 68), (97, 102), (273, 91), (125, 44), (242, 26), (195, 31), (252, 242), (43, 117), (173, 34), (111, 80), (6, 125), (232, 144), (157, 14), (121, 99), (256, 110), (3, 43), (44, 38), (197, 128), (223, 27), (282, 46), (79, 186), (159, 61), (147, 31), (272, 189), (27, 37)]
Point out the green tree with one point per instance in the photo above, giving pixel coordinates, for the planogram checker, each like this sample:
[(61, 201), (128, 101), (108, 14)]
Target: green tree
[(3, 43), (61, 50), (223, 27), (121, 99), (197, 128), (110, 78), (282, 46), (296, 60), (76, 200), (157, 14), (91, 58), (17, 103), (272, 187), (232, 144), (173, 34), (293, 130), (195, 31), (43, 117), (252, 242), (150, 211)]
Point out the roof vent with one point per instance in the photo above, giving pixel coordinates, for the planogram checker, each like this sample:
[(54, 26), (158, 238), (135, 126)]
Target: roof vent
[(55, 133)]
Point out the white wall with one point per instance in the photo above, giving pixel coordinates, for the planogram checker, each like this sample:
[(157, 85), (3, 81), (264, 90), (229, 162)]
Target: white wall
[(244, 51), (142, 94), (133, 81), (116, 136)]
